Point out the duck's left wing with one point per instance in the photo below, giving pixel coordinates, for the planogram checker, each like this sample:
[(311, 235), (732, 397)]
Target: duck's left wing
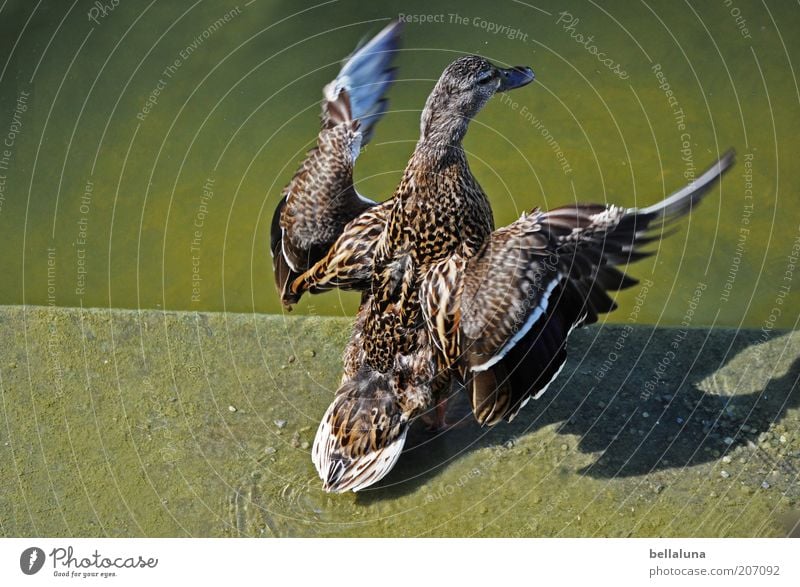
[(321, 199), (493, 318), (502, 317)]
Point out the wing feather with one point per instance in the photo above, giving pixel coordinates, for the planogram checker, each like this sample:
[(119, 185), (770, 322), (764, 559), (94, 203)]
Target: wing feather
[(321, 200), (502, 318)]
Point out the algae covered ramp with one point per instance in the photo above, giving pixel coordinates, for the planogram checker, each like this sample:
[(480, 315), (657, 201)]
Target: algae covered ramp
[(126, 423)]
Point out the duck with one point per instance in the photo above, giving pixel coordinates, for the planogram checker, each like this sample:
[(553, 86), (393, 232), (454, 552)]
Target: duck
[(449, 301)]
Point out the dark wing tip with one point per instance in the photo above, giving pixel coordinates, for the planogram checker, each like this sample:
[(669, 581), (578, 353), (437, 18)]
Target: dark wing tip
[(682, 201)]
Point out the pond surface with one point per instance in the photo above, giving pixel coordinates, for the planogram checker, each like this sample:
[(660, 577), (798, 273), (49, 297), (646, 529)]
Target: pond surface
[(145, 148)]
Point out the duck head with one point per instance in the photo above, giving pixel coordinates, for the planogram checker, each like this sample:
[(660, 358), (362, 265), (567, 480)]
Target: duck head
[(463, 89)]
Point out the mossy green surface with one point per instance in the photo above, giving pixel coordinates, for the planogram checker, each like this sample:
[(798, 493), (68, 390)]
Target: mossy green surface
[(125, 423)]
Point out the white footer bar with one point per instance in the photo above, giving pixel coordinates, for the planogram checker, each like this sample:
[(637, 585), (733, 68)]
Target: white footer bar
[(389, 562)]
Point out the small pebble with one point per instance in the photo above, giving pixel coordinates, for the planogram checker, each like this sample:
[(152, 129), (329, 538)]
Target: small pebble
[(270, 450), (724, 474), (679, 420), (782, 439), (728, 440), (280, 423), (291, 359), (764, 485), (645, 415), (726, 459), (304, 445), (564, 447), (231, 408)]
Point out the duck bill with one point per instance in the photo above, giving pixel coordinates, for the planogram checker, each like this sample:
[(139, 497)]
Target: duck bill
[(515, 77)]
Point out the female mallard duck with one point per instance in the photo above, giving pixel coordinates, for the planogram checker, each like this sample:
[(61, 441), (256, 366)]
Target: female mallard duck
[(448, 298)]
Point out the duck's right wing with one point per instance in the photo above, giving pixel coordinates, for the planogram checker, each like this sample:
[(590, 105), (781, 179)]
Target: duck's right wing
[(321, 200)]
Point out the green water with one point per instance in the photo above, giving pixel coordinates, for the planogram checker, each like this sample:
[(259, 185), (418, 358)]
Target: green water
[(123, 198)]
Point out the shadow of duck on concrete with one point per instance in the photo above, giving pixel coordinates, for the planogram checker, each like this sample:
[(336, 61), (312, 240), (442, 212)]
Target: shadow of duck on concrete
[(668, 398)]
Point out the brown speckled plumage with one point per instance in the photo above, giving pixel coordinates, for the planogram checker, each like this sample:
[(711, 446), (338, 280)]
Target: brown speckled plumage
[(448, 299), (501, 318), (320, 201)]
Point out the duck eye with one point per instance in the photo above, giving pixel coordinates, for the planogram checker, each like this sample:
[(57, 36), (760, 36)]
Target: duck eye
[(485, 77)]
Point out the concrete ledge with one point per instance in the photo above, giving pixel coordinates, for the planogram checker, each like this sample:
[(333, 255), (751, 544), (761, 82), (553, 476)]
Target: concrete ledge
[(125, 423)]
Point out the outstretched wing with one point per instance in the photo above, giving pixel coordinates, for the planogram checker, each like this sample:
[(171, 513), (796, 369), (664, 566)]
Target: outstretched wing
[(321, 200), (502, 317)]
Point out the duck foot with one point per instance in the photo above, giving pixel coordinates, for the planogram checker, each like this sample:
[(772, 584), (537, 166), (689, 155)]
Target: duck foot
[(438, 422)]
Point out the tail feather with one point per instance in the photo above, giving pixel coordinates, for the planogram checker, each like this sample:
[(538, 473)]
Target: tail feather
[(361, 434), (340, 468)]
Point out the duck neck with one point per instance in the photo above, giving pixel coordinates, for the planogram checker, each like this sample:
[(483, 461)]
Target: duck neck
[(441, 133)]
